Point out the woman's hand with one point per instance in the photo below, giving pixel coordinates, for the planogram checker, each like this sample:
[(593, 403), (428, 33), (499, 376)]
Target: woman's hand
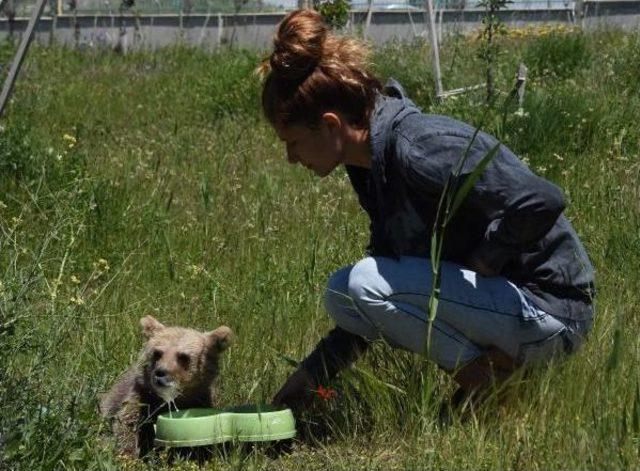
[(297, 391)]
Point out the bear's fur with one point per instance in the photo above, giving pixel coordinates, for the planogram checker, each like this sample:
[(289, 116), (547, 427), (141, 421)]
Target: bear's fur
[(176, 365)]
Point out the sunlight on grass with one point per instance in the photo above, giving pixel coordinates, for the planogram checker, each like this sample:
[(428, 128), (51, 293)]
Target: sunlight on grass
[(149, 184)]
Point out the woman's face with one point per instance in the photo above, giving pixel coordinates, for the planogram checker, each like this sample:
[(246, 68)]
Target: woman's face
[(318, 149)]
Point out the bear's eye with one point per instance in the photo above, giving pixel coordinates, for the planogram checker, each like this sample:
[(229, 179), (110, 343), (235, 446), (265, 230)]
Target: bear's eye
[(157, 354), (184, 360)]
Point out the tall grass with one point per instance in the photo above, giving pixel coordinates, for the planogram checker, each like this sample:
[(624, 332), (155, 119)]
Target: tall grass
[(150, 184)]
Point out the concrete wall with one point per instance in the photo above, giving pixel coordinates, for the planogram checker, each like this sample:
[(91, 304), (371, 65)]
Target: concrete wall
[(255, 31)]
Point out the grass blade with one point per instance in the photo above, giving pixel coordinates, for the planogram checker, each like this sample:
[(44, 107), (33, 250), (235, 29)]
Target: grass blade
[(471, 180)]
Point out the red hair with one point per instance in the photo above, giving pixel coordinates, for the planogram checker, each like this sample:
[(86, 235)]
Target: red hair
[(312, 70)]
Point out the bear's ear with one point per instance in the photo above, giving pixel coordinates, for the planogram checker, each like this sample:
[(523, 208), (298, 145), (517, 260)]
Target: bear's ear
[(220, 338), (150, 326)]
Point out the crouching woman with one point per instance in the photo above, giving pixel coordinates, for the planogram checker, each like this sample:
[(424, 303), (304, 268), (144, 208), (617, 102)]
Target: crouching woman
[(516, 282)]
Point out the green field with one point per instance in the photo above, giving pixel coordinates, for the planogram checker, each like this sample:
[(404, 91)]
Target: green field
[(150, 184)]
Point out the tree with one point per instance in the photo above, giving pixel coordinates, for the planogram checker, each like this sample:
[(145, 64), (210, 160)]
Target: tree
[(334, 12), (489, 50)]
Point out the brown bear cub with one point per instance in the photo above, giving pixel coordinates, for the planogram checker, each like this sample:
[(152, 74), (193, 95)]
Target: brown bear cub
[(176, 365)]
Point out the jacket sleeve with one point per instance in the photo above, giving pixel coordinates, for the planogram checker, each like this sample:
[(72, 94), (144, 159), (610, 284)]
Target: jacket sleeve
[(359, 178), (520, 206)]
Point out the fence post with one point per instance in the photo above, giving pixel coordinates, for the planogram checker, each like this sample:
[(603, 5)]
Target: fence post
[(434, 47), (367, 22), (181, 23), (53, 6), (138, 36), (8, 7), (521, 80), (19, 57), (203, 31), (76, 25), (578, 12), (413, 26)]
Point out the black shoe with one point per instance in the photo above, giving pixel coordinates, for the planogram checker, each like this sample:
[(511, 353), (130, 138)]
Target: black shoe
[(461, 404)]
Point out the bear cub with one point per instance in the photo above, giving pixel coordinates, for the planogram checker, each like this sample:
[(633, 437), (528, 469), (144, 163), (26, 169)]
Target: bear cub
[(177, 365)]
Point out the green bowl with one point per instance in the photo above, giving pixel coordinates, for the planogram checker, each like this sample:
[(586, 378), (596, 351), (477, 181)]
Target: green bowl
[(197, 427)]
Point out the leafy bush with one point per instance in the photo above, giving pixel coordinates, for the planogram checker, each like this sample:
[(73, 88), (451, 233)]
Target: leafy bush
[(626, 67), (334, 12), (17, 157), (409, 66), (228, 85), (560, 54)]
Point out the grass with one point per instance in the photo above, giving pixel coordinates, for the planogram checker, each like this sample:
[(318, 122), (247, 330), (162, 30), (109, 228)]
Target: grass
[(150, 184)]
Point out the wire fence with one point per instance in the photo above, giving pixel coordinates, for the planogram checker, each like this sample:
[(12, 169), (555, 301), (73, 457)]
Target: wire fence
[(20, 8)]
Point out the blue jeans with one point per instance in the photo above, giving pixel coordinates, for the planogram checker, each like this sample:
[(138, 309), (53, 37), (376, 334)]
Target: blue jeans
[(383, 298)]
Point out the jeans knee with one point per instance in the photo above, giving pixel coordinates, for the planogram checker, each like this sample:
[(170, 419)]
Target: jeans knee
[(336, 297), (364, 281), (333, 302)]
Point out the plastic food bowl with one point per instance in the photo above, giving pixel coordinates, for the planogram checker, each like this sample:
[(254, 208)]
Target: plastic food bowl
[(198, 427)]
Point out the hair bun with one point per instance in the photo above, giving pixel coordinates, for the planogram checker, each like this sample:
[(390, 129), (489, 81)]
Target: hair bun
[(298, 44)]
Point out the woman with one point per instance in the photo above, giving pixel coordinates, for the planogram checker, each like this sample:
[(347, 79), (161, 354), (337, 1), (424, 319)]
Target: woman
[(516, 283)]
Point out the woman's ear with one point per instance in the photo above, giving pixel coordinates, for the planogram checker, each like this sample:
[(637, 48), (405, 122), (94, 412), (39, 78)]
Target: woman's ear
[(332, 121), (334, 126)]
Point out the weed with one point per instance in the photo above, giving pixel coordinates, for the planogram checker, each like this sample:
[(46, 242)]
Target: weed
[(173, 198)]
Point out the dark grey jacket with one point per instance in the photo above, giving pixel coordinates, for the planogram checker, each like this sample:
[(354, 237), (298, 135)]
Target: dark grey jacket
[(511, 220)]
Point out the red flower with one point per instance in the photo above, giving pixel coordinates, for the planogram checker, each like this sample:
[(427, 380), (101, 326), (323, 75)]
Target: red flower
[(326, 393)]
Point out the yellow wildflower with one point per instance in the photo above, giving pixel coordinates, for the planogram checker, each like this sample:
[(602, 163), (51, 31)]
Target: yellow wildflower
[(77, 300), (100, 267), (103, 264), (70, 139)]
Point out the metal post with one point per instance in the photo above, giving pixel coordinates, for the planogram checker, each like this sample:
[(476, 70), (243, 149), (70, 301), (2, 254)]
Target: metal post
[(578, 11), (181, 23), (138, 36), (54, 22), (367, 22), (413, 26), (434, 46), (203, 31), (19, 57), (521, 80)]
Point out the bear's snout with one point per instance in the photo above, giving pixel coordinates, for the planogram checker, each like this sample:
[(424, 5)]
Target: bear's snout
[(162, 378)]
